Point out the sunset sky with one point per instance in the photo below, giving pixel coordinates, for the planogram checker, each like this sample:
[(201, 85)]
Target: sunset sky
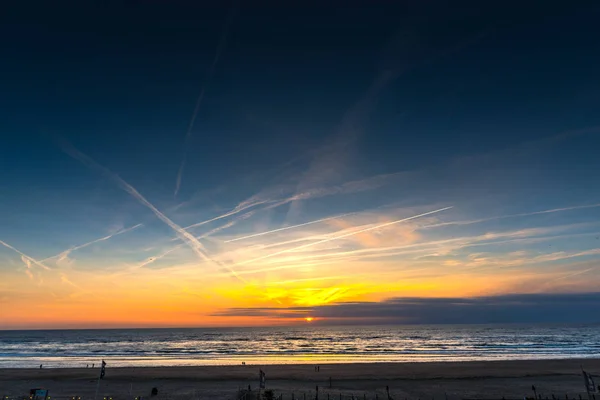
[(170, 164)]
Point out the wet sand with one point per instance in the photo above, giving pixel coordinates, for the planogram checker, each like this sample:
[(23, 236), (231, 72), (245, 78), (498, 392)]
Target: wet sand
[(454, 380)]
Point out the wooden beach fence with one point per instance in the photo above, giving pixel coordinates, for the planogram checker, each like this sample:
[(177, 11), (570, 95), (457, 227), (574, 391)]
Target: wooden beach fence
[(310, 395)]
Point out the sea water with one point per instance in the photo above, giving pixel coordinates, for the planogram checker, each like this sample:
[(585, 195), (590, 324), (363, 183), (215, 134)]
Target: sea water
[(306, 344)]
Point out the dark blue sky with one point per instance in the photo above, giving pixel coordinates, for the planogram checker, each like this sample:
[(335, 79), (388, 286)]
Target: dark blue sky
[(122, 78), (312, 110)]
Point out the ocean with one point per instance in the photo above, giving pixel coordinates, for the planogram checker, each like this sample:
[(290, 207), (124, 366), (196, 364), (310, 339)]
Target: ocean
[(307, 344)]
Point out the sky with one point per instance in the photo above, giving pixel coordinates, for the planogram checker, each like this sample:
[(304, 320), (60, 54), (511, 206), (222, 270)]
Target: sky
[(258, 163)]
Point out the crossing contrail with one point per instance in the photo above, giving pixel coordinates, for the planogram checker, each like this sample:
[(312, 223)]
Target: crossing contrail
[(236, 210), (188, 238), (340, 237), (288, 227), (25, 256), (209, 75)]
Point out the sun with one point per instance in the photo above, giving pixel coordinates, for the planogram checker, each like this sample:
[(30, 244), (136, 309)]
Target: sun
[(309, 319)]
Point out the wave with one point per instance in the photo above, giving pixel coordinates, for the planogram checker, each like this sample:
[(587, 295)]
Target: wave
[(172, 346)]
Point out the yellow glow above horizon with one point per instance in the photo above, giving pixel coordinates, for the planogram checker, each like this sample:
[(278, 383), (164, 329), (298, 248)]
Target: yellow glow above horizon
[(178, 290)]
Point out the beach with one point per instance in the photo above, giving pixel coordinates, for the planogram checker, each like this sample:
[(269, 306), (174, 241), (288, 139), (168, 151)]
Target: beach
[(422, 380)]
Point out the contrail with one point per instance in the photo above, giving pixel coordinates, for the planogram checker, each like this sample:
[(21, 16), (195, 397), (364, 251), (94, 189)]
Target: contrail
[(227, 225), (31, 259), (64, 254), (477, 221), (192, 242), (569, 275), (65, 279), (348, 187), (236, 210), (208, 78), (150, 260), (340, 236), (288, 227)]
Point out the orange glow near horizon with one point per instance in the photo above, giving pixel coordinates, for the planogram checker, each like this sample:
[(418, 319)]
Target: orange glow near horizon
[(280, 288), (105, 301)]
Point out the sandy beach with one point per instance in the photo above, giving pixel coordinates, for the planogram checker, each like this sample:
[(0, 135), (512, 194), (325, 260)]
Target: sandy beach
[(456, 380)]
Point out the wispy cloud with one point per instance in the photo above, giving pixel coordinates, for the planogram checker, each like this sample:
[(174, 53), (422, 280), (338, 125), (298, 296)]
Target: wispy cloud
[(379, 226), (27, 259), (276, 196), (65, 279), (153, 259), (519, 259), (423, 251), (241, 207), (513, 308), (64, 254), (288, 227), (188, 238), (477, 221)]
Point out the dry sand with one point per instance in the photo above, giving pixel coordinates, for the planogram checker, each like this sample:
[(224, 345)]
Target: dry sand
[(456, 380)]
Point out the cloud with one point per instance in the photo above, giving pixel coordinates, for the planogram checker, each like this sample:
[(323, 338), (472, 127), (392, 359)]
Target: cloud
[(345, 235), (272, 312), (275, 196), (392, 236), (288, 227), (228, 224), (518, 259), (433, 248), (515, 308), (152, 259), (188, 238), (26, 262), (477, 221), (26, 258), (62, 256), (65, 279)]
